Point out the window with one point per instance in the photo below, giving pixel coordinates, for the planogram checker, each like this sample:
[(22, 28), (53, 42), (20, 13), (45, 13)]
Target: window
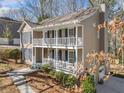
[(60, 55), (48, 34), (53, 34), (71, 56), (72, 32), (66, 32), (66, 55), (60, 33), (53, 54), (30, 37), (28, 54), (27, 37)]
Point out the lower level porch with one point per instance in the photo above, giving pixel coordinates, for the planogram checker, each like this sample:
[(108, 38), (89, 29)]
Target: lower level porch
[(61, 59)]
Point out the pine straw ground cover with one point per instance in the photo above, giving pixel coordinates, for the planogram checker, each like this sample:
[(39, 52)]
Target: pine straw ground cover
[(6, 83), (42, 83), (8, 65), (7, 86)]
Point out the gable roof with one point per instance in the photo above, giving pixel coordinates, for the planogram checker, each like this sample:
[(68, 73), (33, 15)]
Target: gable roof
[(31, 24), (7, 19), (76, 16)]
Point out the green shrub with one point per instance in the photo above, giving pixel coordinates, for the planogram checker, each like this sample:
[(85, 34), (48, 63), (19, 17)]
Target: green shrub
[(68, 80), (4, 53), (88, 85), (15, 54), (46, 68), (59, 76), (52, 73)]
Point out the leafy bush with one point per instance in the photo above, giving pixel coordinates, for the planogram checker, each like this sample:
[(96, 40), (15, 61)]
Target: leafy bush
[(59, 76), (15, 54), (69, 80), (46, 68), (88, 85), (4, 53), (52, 73)]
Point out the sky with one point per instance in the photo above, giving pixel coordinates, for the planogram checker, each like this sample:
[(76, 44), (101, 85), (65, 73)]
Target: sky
[(6, 5)]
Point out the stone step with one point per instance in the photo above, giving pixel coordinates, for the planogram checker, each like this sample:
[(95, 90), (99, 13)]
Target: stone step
[(20, 82), (12, 73), (18, 78), (25, 88)]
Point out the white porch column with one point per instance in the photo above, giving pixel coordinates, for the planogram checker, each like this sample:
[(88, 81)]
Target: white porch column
[(48, 53), (56, 48), (35, 55), (76, 50), (56, 57), (43, 37), (68, 56), (54, 37), (42, 55), (32, 48), (83, 51), (68, 38)]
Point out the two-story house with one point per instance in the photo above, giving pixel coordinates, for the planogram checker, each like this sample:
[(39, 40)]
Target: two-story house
[(63, 41)]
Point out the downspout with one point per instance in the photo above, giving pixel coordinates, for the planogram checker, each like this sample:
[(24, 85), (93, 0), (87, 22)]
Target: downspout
[(105, 11)]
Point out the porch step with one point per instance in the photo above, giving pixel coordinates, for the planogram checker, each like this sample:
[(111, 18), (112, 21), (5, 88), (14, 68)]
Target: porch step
[(18, 78), (19, 83), (25, 88), (12, 73)]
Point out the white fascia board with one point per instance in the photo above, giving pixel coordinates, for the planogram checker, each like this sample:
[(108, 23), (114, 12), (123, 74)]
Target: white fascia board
[(59, 24), (88, 16), (21, 27)]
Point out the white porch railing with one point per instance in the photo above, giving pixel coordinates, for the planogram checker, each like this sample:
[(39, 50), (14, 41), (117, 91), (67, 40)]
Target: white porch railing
[(60, 65), (66, 41)]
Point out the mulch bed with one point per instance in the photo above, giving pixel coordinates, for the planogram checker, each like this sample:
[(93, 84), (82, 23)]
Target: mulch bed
[(9, 65), (7, 86), (42, 83)]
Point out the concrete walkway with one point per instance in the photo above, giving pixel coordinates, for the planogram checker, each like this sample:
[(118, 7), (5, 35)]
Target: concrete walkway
[(113, 85), (20, 81)]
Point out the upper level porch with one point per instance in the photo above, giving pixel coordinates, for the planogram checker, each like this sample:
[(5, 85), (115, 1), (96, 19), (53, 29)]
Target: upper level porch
[(68, 37)]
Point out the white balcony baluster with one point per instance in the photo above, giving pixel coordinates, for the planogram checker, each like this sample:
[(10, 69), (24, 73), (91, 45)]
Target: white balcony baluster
[(66, 41), (60, 65)]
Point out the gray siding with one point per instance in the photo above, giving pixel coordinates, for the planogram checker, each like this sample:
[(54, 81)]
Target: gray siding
[(28, 54), (27, 38)]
